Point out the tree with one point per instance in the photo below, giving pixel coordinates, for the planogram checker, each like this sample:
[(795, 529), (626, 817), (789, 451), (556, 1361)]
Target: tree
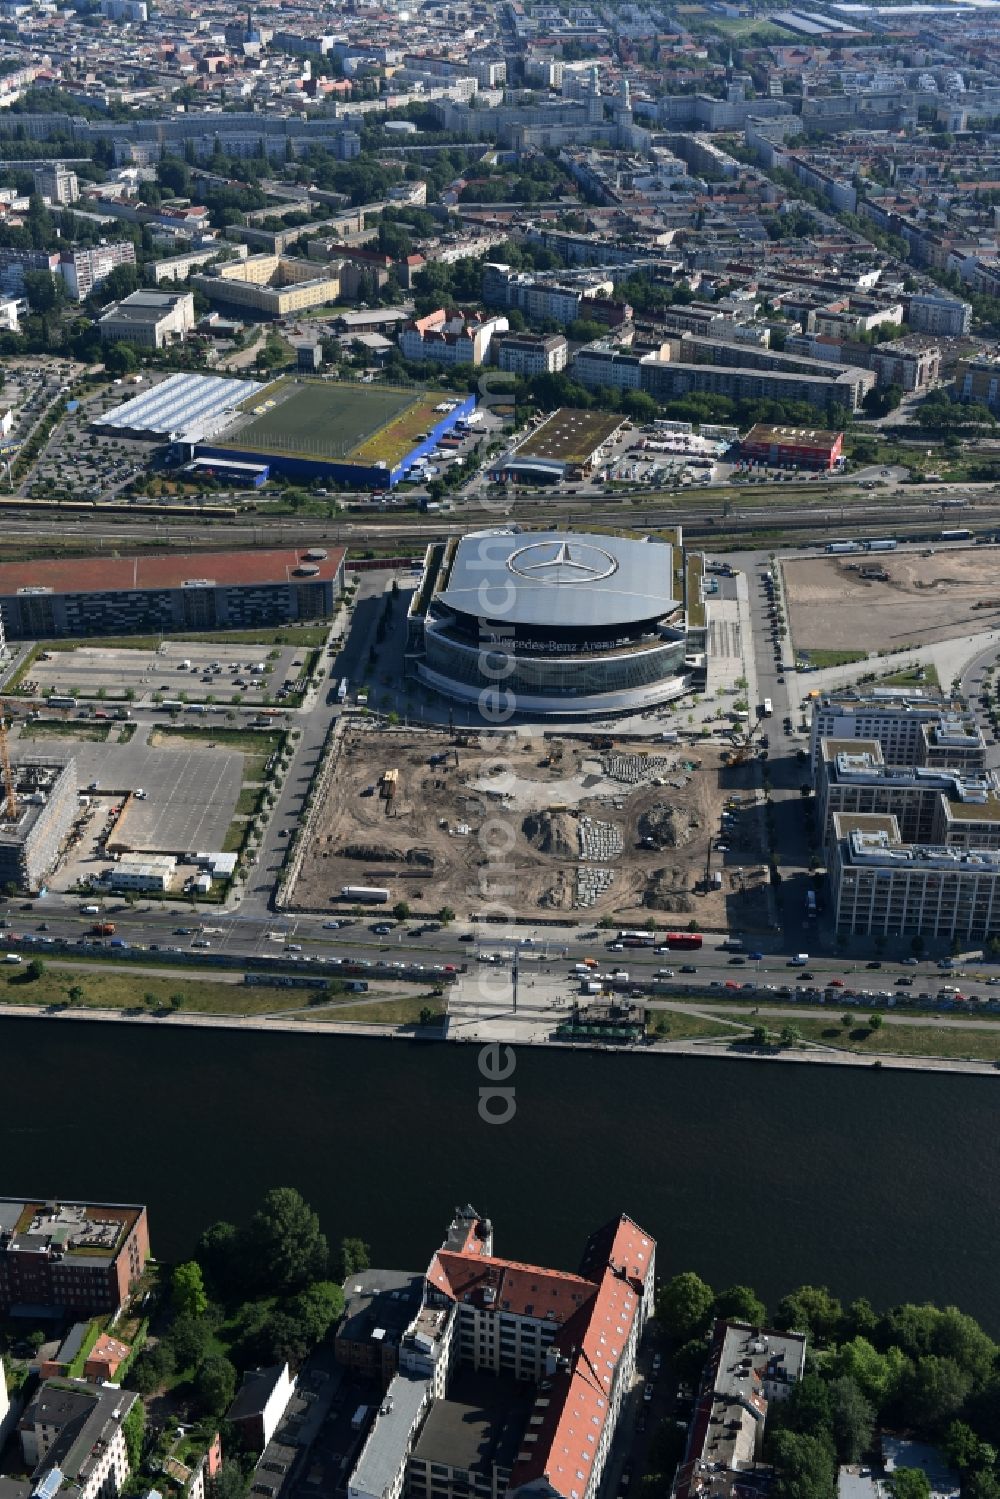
[(154, 1367), (317, 1308), (353, 1255), (852, 1418), (401, 911), (43, 290), (684, 1305), (119, 283), (933, 1391), (75, 994), (790, 1035), (445, 915), (909, 1483), (741, 1304), (218, 1253), (229, 1482), (34, 970), (187, 1290), (876, 1374), (215, 1385), (965, 1450), (805, 1467), (133, 1430), (121, 359), (284, 1245), (759, 1035), (688, 1361), (875, 1022), (189, 1337), (810, 1309)]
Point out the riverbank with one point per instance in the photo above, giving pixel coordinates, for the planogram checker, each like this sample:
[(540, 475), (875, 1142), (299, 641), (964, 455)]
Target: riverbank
[(503, 1033)]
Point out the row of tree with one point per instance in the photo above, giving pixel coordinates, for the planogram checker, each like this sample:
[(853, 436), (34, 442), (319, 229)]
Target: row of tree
[(929, 1370)]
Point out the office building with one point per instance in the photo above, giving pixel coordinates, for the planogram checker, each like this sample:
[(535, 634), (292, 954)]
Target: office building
[(273, 285), (45, 807), (884, 887), (897, 717), (81, 1258), (930, 805)]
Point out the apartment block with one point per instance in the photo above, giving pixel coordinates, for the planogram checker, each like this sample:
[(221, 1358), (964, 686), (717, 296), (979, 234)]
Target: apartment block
[(81, 1257), (747, 1369), (46, 808), (451, 336), (511, 1376), (83, 270), (978, 380), (530, 354), (72, 1439), (949, 317), (56, 184), (911, 363)]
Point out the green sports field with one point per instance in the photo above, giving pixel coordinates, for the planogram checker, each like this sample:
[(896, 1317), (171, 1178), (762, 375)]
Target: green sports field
[(327, 420)]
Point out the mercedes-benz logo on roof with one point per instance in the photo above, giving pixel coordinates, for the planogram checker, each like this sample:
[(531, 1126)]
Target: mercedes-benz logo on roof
[(560, 562)]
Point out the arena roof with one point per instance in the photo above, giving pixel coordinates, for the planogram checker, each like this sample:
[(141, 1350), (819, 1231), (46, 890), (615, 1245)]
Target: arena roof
[(194, 405), (560, 578), (174, 570)]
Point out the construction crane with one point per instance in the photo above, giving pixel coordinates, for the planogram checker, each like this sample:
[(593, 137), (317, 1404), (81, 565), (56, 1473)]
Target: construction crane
[(8, 774), (743, 748)]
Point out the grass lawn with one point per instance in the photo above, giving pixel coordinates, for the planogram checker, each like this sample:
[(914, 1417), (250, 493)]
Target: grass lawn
[(107, 987), (247, 741), (55, 728), (305, 635), (912, 676), (674, 1025), (902, 1040), (401, 1009), (820, 659), (248, 801)]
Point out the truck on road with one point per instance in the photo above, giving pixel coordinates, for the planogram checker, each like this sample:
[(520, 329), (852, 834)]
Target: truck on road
[(103, 929), (799, 960), (374, 895)]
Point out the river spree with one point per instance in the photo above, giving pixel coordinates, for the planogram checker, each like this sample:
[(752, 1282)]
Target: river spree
[(875, 1183)]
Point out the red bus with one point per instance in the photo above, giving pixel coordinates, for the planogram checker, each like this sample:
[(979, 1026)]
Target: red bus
[(684, 939)]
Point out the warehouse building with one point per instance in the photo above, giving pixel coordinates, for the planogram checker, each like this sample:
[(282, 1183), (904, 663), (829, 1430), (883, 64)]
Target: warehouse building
[(170, 594), (793, 447)]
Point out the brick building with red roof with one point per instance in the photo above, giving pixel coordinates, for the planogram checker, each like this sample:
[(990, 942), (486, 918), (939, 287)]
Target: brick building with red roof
[(169, 593), (512, 1375)]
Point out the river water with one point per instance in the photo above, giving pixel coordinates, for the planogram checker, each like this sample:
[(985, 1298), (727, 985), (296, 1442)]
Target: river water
[(882, 1184)]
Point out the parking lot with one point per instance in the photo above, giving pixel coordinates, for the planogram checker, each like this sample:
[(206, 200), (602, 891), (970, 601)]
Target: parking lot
[(181, 671), (189, 801)]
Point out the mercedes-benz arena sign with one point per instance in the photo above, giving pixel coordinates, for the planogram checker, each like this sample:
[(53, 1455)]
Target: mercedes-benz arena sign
[(556, 624)]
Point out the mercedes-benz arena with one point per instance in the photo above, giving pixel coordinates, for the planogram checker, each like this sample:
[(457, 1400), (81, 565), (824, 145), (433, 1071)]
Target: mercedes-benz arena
[(552, 624)]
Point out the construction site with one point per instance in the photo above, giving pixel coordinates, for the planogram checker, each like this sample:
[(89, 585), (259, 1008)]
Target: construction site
[(584, 826), (888, 601)]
